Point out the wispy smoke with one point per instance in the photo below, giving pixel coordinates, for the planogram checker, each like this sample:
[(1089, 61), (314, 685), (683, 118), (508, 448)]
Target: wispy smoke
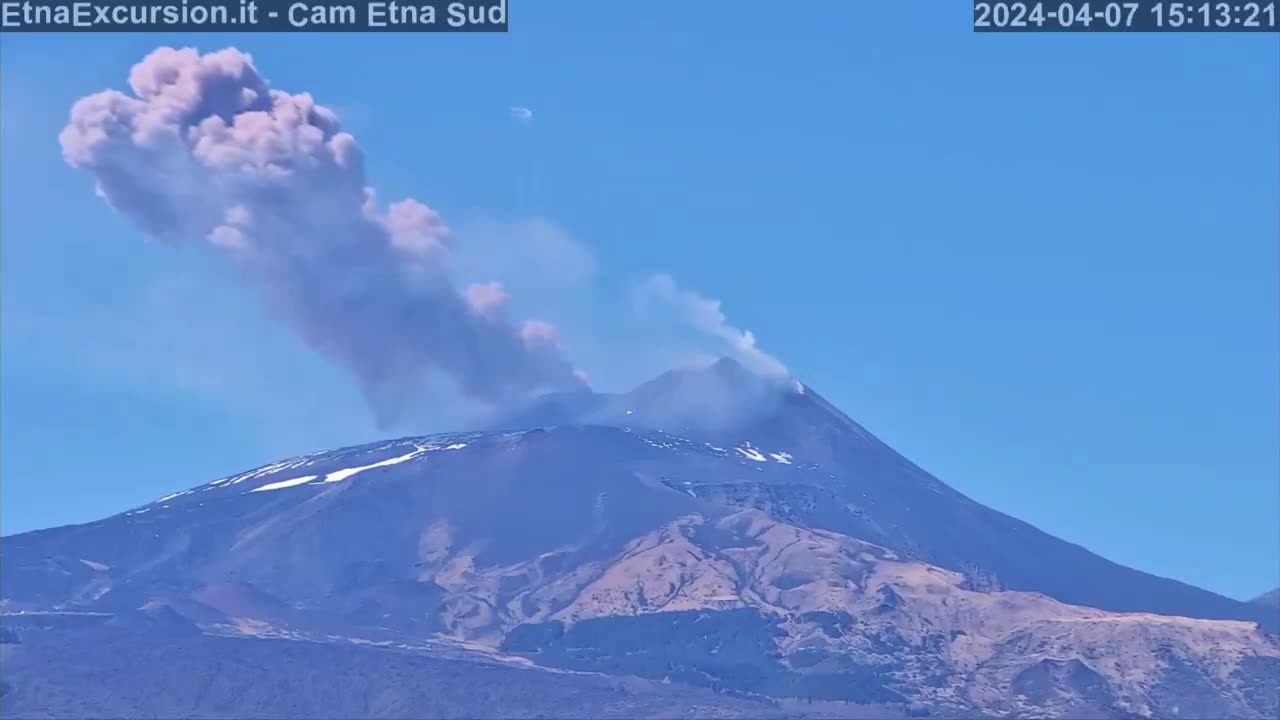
[(705, 315), (205, 149)]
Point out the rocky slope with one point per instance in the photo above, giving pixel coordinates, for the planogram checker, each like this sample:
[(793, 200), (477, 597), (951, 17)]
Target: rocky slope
[(172, 674)]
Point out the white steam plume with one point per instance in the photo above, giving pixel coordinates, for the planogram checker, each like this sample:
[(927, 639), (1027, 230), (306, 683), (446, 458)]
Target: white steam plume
[(705, 315)]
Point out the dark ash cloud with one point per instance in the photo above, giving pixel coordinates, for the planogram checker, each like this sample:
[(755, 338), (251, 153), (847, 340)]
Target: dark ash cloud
[(204, 149)]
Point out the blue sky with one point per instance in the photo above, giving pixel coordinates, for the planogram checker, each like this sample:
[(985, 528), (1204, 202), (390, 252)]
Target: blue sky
[(1044, 267)]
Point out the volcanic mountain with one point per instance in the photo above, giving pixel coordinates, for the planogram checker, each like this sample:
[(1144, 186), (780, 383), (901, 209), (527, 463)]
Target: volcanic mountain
[(1268, 599), (713, 542)]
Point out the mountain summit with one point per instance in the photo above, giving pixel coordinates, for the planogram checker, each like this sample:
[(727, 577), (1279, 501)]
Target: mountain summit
[(869, 490), (711, 531), (703, 401)]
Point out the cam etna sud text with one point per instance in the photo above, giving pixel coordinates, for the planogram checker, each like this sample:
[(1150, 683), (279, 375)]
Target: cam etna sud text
[(390, 14)]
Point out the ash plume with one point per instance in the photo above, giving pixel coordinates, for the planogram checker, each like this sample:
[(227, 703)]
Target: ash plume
[(204, 149)]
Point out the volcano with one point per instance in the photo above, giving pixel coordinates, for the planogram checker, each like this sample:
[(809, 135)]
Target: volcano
[(712, 543)]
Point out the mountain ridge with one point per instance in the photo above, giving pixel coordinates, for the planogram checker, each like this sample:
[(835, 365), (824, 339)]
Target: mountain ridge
[(1268, 599)]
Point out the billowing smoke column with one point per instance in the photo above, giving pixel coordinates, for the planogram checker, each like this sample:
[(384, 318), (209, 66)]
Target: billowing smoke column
[(206, 149)]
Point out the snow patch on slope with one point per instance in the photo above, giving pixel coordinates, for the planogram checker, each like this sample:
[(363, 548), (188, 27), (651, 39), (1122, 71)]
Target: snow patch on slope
[(340, 475), (751, 453), (347, 473), (285, 483)]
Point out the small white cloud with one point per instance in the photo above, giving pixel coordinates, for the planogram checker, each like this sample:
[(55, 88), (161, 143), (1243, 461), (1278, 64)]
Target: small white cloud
[(521, 114)]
